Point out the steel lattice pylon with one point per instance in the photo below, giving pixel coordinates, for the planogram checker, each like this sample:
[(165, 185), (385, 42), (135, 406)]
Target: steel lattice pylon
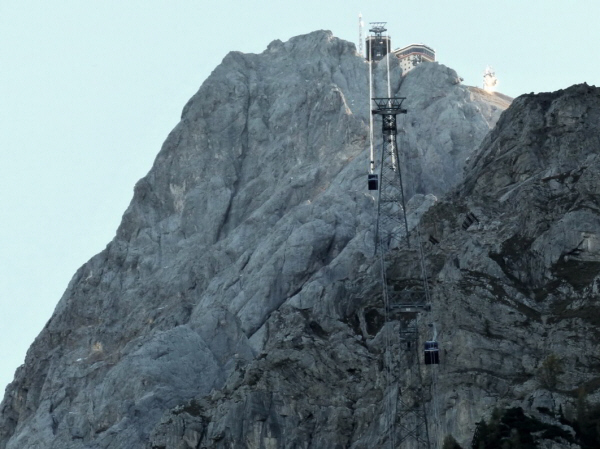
[(407, 419), (390, 203)]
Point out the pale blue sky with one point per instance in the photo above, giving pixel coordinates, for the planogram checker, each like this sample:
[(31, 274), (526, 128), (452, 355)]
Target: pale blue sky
[(89, 90)]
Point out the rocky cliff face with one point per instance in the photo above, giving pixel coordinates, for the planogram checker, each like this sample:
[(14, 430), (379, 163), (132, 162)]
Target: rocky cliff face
[(519, 287), (239, 302), (514, 281)]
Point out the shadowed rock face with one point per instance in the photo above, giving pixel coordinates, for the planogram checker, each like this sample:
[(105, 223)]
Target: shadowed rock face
[(520, 285), (242, 275)]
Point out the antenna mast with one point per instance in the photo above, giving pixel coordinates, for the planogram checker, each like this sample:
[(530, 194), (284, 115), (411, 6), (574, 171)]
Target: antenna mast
[(361, 25)]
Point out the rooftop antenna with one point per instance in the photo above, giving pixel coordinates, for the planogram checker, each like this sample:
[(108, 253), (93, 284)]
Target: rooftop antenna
[(361, 26)]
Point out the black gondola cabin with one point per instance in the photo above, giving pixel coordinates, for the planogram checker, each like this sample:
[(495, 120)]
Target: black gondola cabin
[(373, 182), (432, 353)]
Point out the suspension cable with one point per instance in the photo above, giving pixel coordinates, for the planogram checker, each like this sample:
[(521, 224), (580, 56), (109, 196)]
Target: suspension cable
[(372, 156), (393, 394), (387, 360), (441, 427), (434, 399), (423, 268), (387, 59)]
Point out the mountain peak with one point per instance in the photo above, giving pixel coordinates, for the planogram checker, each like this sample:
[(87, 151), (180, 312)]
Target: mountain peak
[(247, 237)]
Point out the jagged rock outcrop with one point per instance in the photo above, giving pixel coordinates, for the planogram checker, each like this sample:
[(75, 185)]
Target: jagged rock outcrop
[(520, 286), (239, 299)]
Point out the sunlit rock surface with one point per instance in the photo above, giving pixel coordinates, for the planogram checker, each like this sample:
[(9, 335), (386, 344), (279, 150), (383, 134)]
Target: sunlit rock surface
[(239, 303)]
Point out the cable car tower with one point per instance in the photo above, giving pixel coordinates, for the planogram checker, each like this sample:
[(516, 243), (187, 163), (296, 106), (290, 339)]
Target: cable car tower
[(405, 395), (405, 406)]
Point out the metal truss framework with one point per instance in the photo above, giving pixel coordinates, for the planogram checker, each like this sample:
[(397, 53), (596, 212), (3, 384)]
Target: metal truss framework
[(407, 419)]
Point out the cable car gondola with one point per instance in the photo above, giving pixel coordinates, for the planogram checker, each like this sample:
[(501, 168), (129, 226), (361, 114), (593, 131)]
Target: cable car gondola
[(432, 353), (373, 181)]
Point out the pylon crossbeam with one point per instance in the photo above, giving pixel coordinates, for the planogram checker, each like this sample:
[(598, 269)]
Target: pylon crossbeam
[(389, 105)]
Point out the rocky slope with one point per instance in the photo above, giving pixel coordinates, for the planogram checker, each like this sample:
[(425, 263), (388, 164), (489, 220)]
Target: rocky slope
[(514, 280), (239, 300), (519, 287), (515, 301)]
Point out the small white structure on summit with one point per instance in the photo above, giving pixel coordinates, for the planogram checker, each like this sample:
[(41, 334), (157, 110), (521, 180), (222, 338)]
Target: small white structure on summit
[(489, 79), (414, 54)]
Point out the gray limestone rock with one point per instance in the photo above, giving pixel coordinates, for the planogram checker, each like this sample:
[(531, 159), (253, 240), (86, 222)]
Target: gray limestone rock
[(239, 302)]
